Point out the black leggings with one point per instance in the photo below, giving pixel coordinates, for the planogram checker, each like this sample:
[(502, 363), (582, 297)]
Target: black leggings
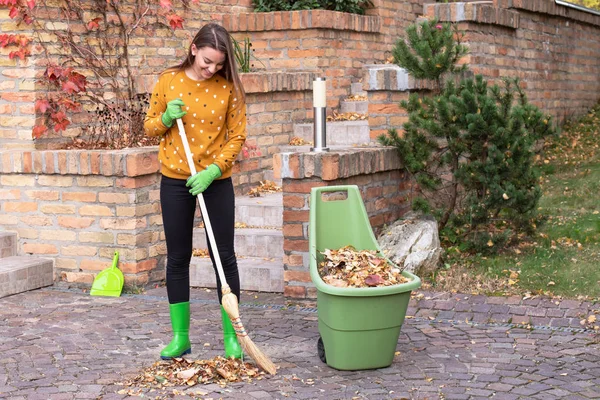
[(178, 208)]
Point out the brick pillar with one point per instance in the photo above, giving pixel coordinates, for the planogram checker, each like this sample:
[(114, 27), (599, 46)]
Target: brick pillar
[(377, 172)]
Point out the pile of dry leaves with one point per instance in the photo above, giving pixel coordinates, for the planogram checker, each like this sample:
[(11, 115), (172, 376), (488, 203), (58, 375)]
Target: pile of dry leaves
[(298, 141), (181, 372), (348, 267), (264, 187), (357, 97), (349, 116)]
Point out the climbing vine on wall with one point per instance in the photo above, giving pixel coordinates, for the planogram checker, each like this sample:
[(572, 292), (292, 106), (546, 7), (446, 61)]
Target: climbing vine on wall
[(83, 48)]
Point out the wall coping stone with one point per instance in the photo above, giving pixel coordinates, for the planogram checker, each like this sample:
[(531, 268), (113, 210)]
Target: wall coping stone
[(391, 77), (338, 164), (303, 19), (277, 81), (551, 8), (131, 162), (254, 82), (483, 12)]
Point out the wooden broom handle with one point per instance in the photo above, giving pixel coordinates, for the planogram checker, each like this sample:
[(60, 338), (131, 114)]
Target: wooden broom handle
[(211, 237)]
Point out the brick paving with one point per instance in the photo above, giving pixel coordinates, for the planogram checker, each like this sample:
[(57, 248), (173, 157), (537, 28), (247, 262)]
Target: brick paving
[(64, 344)]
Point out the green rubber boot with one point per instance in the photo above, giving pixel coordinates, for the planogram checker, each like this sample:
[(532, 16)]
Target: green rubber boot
[(232, 346), (180, 321)]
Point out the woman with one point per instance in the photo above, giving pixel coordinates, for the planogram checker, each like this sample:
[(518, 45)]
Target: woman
[(206, 93)]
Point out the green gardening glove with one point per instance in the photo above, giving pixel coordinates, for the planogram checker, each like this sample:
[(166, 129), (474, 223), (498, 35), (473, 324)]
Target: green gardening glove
[(203, 179), (173, 112)]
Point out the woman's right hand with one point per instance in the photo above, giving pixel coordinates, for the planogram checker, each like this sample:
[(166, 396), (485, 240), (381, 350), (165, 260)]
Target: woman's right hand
[(173, 112)]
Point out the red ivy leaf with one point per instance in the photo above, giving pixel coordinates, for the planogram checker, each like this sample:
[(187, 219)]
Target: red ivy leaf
[(70, 87), (79, 80), (61, 126), (31, 4), (166, 4), (13, 13), (42, 105), (64, 73), (21, 40), (58, 116), (21, 53), (175, 21), (93, 24), (52, 73), (60, 121), (70, 105), (39, 130)]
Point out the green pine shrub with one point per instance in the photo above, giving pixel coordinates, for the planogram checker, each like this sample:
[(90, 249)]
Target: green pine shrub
[(469, 147)]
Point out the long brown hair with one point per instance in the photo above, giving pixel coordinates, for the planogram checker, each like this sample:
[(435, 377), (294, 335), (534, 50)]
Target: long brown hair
[(216, 37)]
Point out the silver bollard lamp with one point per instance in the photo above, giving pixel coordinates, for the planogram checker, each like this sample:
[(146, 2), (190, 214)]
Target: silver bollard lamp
[(320, 115)]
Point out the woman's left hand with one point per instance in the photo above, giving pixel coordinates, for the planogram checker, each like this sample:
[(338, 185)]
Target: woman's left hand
[(202, 180)]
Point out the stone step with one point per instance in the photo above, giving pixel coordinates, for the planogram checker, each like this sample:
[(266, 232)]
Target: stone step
[(356, 88), (249, 242), (23, 273), (357, 106), (338, 133), (270, 176), (256, 274), (263, 211), (8, 244)]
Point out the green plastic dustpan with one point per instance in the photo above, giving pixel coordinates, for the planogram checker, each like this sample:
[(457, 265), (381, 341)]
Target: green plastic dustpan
[(109, 282)]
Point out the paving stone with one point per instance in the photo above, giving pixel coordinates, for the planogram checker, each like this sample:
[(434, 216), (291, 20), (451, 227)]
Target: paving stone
[(65, 344)]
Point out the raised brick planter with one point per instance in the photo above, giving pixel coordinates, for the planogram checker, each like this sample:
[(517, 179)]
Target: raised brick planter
[(384, 189), (78, 207)]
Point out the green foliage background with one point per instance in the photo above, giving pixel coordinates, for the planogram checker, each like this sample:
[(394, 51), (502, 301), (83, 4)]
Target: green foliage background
[(595, 4)]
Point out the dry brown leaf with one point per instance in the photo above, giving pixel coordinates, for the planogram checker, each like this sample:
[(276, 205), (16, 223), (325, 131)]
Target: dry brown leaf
[(181, 372), (264, 187), (365, 268), (350, 116), (200, 253), (297, 141), (357, 97)]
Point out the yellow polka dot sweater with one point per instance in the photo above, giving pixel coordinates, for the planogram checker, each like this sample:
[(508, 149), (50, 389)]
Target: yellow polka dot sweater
[(215, 123)]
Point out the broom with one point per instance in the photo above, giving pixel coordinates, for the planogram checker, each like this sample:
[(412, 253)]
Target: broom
[(229, 300)]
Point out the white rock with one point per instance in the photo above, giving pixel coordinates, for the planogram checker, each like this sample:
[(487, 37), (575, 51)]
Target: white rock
[(413, 244)]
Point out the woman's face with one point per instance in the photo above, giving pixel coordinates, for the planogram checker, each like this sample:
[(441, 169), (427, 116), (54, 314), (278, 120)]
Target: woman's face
[(207, 61)]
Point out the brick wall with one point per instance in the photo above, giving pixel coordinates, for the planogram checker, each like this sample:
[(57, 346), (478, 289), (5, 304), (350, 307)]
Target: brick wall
[(79, 207), (152, 48), (334, 44), (275, 100), (553, 49), (376, 171)]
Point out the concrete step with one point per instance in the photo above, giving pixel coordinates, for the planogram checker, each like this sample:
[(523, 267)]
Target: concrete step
[(256, 274), (249, 242), (354, 106), (270, 176), (356, 88), (338, 133), (8, 244), (23, 273), (263, 211)]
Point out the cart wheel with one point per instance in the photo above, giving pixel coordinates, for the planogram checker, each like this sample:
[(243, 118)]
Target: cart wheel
[(321, 350)]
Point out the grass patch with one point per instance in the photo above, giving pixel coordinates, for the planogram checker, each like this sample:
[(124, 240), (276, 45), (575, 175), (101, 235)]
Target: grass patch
[(563, 258)]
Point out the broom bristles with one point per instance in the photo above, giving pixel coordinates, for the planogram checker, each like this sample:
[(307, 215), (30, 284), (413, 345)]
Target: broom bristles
[(257, 355), (230, 305)]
